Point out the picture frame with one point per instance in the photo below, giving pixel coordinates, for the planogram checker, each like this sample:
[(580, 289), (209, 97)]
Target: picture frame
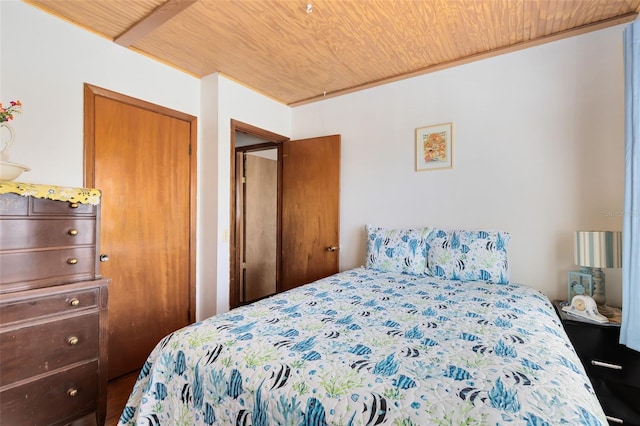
[(579, 283), (434, 147)]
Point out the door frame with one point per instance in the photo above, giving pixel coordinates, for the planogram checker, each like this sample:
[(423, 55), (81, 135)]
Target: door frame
[(235, 252), (91, 92)]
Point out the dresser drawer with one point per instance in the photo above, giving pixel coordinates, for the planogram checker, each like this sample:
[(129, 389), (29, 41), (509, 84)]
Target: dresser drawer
[(31, 308), (621, 365), (17, 205), (51, 266), (619, 401), (602, 356), (49, 346), (43, 206), (36, 233), (14, 205), (52, 399)]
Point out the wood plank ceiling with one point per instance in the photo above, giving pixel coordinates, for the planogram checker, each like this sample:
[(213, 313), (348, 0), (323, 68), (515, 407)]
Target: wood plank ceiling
[(299, 51)]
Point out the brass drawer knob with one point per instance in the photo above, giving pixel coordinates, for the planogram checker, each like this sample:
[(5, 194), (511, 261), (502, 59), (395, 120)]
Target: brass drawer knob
[(73, 340), (74, 302), (72, 261), (72, 392), (73, 232), (73, 205)]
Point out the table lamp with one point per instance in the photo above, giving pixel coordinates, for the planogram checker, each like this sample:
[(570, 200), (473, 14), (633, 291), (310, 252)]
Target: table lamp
[(594, 250)]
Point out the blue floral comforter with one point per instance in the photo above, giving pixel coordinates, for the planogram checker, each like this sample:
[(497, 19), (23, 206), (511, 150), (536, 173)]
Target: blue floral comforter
[(365, 347)]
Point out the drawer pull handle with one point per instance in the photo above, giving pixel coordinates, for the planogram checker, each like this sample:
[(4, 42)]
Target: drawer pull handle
[(606, 365), (73, 205), (72, 261), (614, 419), (72, 392), (73, 232), (73, 340), (74, 302)]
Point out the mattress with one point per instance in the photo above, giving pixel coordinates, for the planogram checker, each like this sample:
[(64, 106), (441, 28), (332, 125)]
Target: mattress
[(365, 347)]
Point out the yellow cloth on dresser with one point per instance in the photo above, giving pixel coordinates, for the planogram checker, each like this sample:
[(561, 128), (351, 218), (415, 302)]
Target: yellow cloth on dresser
[(52, 192)]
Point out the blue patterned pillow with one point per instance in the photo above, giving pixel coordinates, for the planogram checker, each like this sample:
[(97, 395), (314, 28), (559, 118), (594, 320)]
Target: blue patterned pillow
[(397, 250), (469, 255)]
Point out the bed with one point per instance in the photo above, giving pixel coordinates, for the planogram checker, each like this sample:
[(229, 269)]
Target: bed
[(397, 342)]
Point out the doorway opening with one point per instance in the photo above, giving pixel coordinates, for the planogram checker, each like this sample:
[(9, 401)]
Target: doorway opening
[(256, 176)]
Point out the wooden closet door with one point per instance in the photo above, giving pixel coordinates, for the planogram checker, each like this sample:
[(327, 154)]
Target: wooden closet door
[(143, 168)]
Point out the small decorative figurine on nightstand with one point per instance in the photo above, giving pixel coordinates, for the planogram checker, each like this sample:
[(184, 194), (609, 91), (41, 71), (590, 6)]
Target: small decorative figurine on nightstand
[(584, 307), (579, 283)]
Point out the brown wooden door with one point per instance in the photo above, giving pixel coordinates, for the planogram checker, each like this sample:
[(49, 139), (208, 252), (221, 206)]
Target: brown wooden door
[(143, 167), (310, 210)]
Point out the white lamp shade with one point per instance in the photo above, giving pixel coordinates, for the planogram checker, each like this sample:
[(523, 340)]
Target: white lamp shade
[(598, 249)]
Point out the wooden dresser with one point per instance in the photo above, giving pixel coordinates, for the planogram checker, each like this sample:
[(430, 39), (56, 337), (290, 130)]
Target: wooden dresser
[(53, 307)]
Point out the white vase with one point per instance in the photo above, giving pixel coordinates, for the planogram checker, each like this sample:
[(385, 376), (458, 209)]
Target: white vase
[(8, 170), (6, 144)]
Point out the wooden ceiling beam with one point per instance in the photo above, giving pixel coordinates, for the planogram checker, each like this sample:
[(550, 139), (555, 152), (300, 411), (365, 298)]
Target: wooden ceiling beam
[(159, 16)]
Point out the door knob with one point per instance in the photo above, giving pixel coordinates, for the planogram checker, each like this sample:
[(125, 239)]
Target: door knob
[(104, 258), (332, 248)]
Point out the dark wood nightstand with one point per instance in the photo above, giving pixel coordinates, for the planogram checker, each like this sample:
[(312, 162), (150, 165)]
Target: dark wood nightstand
[(613, 368)]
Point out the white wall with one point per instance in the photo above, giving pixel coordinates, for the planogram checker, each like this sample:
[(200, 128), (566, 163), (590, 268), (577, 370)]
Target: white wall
[(207, 220), (538, 151)]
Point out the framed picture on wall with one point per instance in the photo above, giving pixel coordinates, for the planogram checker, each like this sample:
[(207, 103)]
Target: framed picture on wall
[(579, 283), (434, 147)]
